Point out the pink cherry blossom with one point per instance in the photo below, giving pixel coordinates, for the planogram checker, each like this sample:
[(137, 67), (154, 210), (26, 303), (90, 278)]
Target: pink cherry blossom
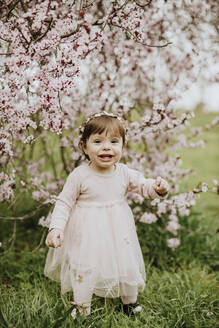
[(148, 218), (173, 243), (172, 227)]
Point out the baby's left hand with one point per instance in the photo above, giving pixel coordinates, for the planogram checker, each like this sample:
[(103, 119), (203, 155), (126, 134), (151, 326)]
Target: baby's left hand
[(161, 186)]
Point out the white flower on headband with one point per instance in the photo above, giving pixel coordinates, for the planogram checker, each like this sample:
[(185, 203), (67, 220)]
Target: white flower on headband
[(159, 107), (81, 128)]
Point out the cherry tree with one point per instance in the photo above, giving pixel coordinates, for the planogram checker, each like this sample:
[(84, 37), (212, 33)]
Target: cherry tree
[(63, 60)]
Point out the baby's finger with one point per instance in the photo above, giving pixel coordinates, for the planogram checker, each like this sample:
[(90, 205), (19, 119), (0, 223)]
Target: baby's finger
[(158, 181), (50, 241), (164, 186), (58, 240)]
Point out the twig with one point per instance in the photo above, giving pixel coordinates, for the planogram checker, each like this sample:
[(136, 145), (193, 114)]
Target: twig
[(61, 147), (71, 33), (137, 40), (19, 29), (12, 8), (5, 39), (41, 241), (90, 5), (23, 6), (25, 216), (48, 28), (63, 160), (113, 13), (12, 239), (151, 262), (50, 157)]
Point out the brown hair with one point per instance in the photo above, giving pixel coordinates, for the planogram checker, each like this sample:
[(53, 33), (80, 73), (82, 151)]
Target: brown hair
[(100, 124)]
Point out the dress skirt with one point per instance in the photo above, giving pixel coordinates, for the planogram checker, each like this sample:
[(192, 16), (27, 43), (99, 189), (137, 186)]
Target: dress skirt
[(100, 249)]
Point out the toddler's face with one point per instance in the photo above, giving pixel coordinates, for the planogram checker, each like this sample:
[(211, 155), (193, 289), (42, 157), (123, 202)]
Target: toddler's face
[(104, 150)]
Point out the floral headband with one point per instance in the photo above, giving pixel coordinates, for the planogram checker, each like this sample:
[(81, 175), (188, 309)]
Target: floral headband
[(82, 127)]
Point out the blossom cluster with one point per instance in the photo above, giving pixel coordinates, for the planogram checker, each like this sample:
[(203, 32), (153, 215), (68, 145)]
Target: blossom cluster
[(7, 184)]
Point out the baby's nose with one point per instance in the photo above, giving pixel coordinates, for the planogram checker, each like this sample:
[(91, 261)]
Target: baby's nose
[(106, 145)]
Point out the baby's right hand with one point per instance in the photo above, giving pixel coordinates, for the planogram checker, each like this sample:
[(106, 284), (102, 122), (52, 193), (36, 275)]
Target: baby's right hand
[(55, 238)]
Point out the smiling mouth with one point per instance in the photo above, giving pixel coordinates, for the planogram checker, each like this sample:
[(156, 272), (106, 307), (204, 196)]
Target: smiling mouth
[(106, 156)]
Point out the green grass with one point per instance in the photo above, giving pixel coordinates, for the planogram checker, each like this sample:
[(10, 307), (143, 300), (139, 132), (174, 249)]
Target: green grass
[(184, 298), (182, 287)]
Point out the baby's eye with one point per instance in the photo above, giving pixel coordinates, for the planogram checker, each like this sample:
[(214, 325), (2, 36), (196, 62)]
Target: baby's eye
[(114, 141), (96, 141)]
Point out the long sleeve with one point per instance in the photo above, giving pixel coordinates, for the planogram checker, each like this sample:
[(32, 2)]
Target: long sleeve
[(65, 201), (139, 184)]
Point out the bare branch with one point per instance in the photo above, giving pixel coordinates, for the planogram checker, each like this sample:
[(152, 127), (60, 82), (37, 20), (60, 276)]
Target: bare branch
[(12, 8), (28, 215), (48, 28), (49, 156), (71, 33), (137, 40), (4, 39), (19, 29), (61, 147), (24, 6), (63, 160), (111, 15), (41, 241), (89, 5)]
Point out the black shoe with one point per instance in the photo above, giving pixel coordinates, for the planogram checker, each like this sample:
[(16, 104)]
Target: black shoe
[(131, 308)]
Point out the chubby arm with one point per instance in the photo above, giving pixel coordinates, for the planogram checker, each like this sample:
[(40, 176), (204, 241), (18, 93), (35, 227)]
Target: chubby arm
[(148, 188), (65, 201)]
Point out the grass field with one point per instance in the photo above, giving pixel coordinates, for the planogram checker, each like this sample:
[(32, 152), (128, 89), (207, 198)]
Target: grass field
[(182, 287)]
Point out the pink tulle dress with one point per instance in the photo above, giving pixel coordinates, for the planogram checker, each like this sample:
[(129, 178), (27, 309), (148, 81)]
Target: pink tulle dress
[(101, 247)]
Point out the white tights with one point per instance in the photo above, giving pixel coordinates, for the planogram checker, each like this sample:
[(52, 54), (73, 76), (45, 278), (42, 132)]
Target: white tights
[(83, 295), (129, 293)]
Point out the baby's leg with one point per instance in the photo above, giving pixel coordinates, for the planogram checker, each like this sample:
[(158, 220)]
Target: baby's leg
[(129, 299), (82, 297), (129, 293)]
